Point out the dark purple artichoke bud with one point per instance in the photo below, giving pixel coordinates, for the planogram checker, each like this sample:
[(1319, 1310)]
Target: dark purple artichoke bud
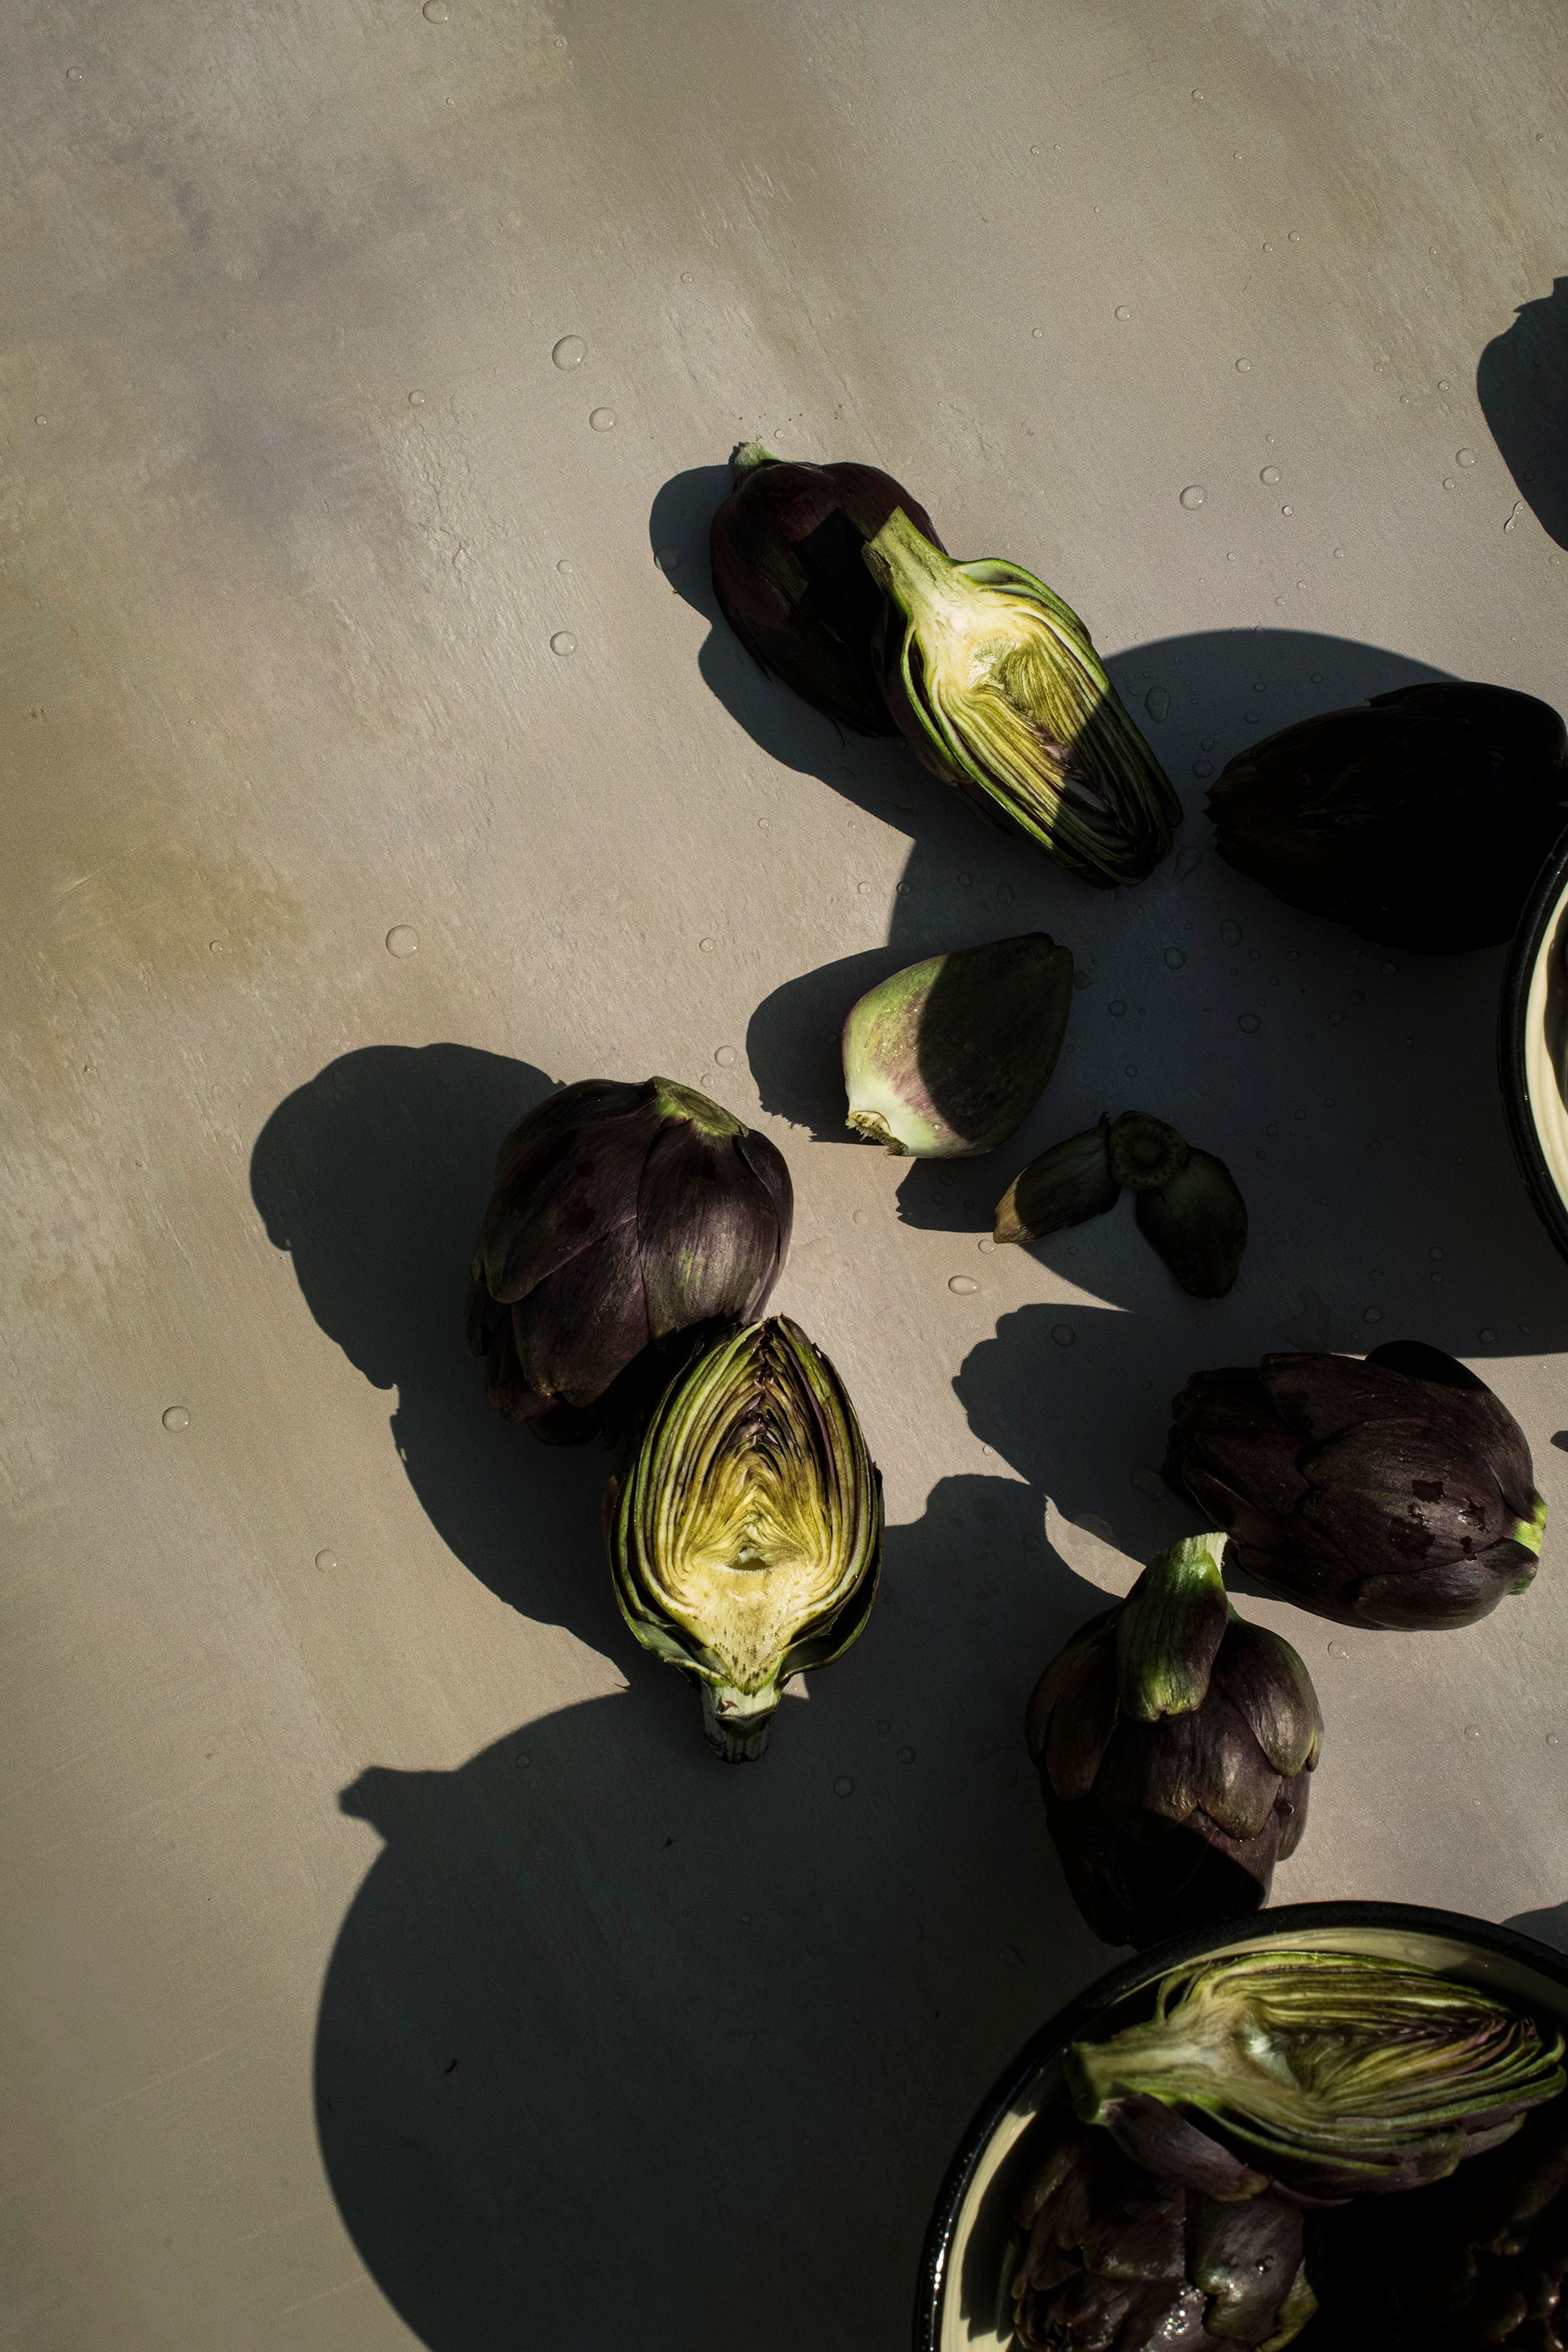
[(1324, 2074), (622, 1216), (1174, 1743), (1398, 1492), (1421, 819), (786, 550), (1105, 2255)]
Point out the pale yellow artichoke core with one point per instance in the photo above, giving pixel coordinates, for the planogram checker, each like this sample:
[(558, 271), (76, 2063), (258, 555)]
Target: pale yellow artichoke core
[(747, 1565)]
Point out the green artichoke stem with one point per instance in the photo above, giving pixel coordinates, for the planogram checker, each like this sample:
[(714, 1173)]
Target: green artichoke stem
[(1170, 1638), (710, 1118), (1529, 1532), (736, 1722), (746, 457), (875, 1129), (918, 576)]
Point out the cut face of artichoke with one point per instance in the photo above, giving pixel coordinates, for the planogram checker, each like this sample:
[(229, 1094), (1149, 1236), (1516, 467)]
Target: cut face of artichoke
[(746, 1536)]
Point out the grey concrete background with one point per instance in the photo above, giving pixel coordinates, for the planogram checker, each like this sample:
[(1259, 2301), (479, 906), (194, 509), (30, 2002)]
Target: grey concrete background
[(385, 1961)]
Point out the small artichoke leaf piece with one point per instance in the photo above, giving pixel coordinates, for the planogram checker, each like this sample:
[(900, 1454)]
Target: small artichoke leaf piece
[(745, 1534), (947, 1058), (1144, 1153), (996, 684), (1197, 1223), (1064, 1186), (1170, 1629), (1328, 2073)]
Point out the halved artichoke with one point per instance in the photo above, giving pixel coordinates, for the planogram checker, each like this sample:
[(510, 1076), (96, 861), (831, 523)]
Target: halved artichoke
[(746, 1536)]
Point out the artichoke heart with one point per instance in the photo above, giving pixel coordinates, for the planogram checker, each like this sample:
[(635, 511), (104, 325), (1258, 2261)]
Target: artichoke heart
[(746, 1535), (998, 688)]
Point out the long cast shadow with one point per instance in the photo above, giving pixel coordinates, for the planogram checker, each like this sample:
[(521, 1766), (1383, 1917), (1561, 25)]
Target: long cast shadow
[(1521, 383), (575, 2027)]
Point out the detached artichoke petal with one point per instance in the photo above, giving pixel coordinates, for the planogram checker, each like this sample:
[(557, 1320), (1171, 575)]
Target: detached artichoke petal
[(1065, 1186), (1197, 1222)]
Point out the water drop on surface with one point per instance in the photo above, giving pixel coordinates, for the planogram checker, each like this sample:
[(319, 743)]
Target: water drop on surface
[(1188, 862), (1316, 678), (1335, 1019), (1486, 1335), (1175, 959), (1063, 1334), (1388, 970), (1448, 481), (1338, 1650), (176, 1416), (1464, 456), (1193, 496), (403, 939), (326, 1559), (725, 1058), (1038, 333), (1436, 1253), (685, 277), (1270, 474), (962, 1284), (1472, 1731), (965, 880), (667, 557), (1372, 1314), (436, 10), (562, 642), (1289, 511), (707, 946), (1243, 367), (1230, 932), (1552, 1741), (1157, 702), (570, 352), (864, 888), (1249, 1021), (1083, 980), (416, 400), (601, 419), (1203, 767), (862, 1216), (985, 1245), (1295, 236), (1117, 1007), (843, 1787), (1122, 312), (566, 566)]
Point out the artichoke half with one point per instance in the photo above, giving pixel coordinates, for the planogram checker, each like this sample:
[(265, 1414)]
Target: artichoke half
[(1327, 2074), (746, 1535), (999, 689)]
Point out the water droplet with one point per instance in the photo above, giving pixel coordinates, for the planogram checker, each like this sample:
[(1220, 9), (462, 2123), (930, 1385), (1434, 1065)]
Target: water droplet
[(601, 419), (1289, 511), (176, 1416), (1083, 980), (1270, 474), (1243, 367), (1335, 1019), (726, 1057), (1122, 312), (436, 10), (667, 557), (1295, 236), (685, 277), (1063, 1334), (1486, 1335), (1316, 678), (862, 1216), (707, 946), (416, 400), (1230, 932), (965, 881), (570, 352), (562, 642), (326, 1559), (843, 1787), (1552, 1741), (1157, 702), (1038, 333), (985, 1246), (1443, 384), (73, 73), (962, 1284), (1175, 959), (1388, 970), (1448, 481), (906, 1755), (1372, 1314), (1188, 862), (1472, 1731), (884, 1725), (1197, 93), (1203, 767), (566, 566), (1434, 1252), (1249, 1021), (403, 939), (1117, 1007), (864, 888), (1338, 1650), (1464, 456), (1193, 496), (1034, 151)]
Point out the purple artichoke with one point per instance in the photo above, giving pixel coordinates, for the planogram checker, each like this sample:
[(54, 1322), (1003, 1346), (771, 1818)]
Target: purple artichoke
[(1175, 1743), (787, 570), (1398, 1492), (1106, 2255), (622, 1216)]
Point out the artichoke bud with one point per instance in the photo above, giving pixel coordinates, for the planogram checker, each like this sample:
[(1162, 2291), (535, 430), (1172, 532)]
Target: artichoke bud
[(1065, 1186), (1196, 1220), (999, 689), (1327, 2074), (1170, 1629), (1144, 1152), (950, 1057), (746, 1535)]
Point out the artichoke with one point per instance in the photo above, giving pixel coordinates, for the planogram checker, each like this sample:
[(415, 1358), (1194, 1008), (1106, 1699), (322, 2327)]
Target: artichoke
[(1398, 1492), (786, 550), (1105, 2254), (1326, 2074), (948, 1058), (622, 1216), (997, 685), (1420, 820), (746, 1534), (1175, 1744), (1188, 1205)]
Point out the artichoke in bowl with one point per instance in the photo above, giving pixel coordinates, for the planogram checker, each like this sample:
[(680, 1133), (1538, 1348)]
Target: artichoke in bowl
[(745, 1536)]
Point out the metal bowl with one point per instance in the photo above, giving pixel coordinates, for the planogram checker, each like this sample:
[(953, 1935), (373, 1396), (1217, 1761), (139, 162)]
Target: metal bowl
[(959, 2306), (1533, 1045)]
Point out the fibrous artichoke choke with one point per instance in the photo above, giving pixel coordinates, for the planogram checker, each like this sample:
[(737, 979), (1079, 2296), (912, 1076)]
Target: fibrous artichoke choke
[(949, 1057), (746, 1534), (997, 685)]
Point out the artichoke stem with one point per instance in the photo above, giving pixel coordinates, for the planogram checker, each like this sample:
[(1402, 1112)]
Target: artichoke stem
[(875, 1129), (737, 1723), (918, 576)]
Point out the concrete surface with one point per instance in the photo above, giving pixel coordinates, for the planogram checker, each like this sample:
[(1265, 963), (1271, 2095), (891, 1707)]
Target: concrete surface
[(386, 1959)]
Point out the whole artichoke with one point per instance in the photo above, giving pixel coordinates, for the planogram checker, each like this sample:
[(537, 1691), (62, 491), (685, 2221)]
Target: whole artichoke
[(1105, 2254), (1175, 1744), (1394, 1492), (746, 1535), (785, 551), (1421, 819), (622, 1216), (997, 685), (1328, 2074)]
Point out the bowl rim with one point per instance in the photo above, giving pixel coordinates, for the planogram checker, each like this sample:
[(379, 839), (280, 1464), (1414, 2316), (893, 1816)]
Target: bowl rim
[(1127, 1977), (1513, 1009)]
